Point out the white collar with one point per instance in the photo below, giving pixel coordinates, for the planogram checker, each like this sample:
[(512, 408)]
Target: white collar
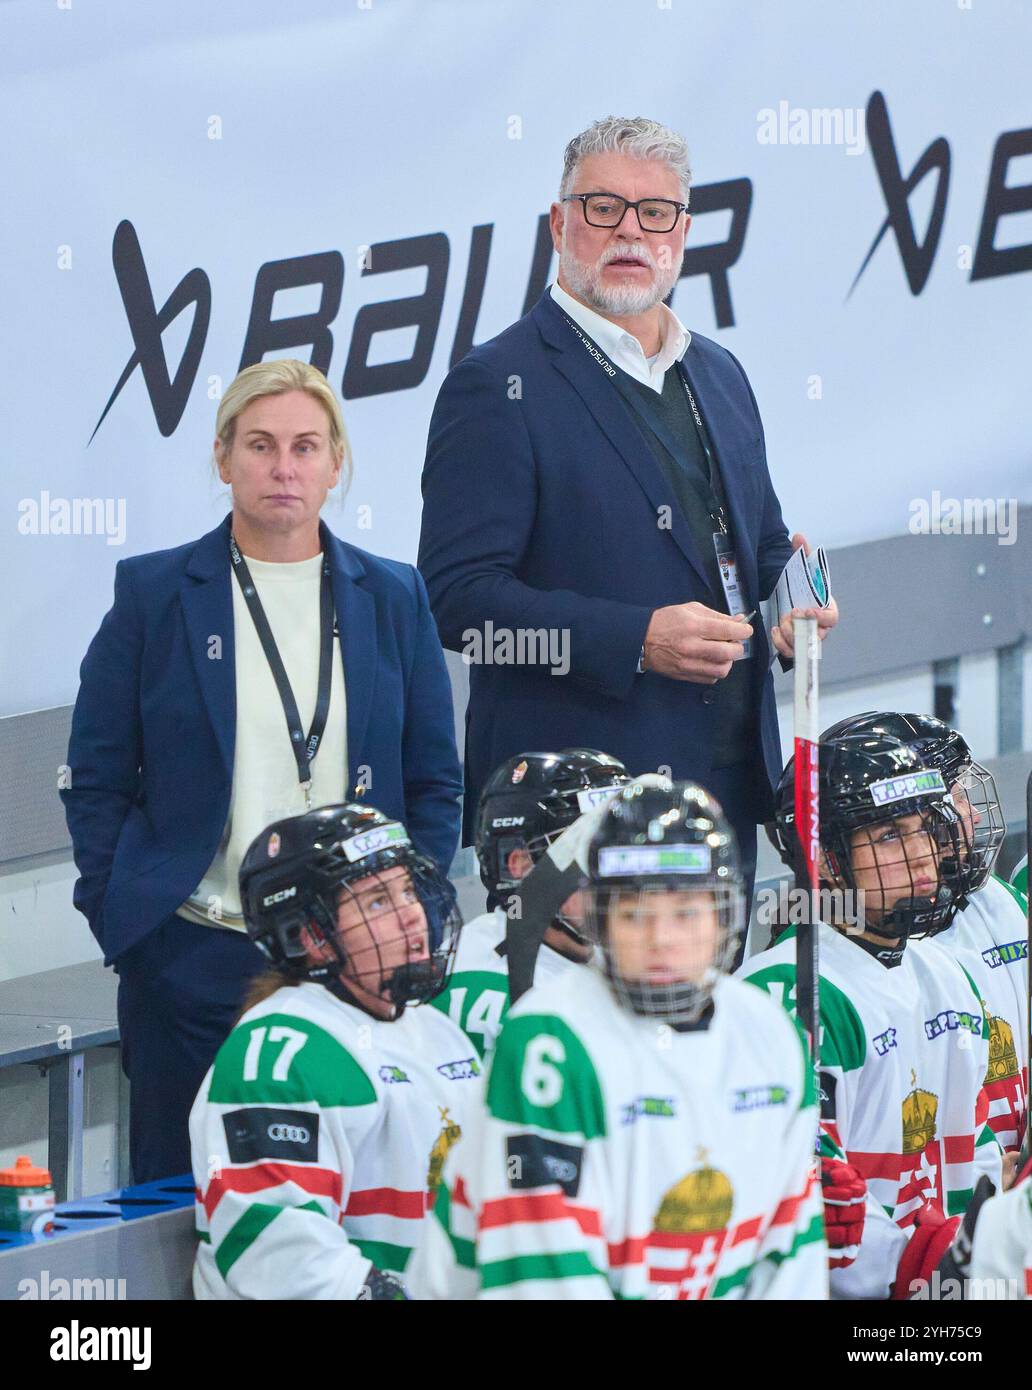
[(623, 347)]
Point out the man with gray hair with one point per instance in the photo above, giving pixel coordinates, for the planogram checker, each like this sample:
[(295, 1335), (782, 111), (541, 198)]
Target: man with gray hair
[(598, 471)]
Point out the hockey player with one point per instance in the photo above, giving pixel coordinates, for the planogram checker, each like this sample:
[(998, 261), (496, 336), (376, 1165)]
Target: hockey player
[(526, 803), (989, 934), (903, 1045), (1001, 1242), (320, 1132), (650, 1122)]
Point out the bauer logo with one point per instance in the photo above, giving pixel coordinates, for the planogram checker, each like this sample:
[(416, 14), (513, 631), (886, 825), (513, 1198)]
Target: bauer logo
[(758, 1097), (531, 1161), (393, 836), (261, 1132), (923, 783), (460, 1071)]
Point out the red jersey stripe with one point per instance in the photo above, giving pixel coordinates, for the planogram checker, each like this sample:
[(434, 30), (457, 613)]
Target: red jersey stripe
[(387, 1201), (538, 1206), (322, 1182)]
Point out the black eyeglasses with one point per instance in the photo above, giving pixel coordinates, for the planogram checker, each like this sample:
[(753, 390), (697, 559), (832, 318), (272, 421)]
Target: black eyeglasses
[(607, 210)]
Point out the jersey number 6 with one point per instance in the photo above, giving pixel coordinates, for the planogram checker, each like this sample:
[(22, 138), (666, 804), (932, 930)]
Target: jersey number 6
[(542, 1081)]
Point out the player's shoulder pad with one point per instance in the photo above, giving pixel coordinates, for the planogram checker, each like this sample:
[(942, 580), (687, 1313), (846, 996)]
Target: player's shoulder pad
[(1019, 876), (543, 1073), (288, 1051), (478, 943), (1015, 889), (441, 1041), (756, 1015), (844, 1042)]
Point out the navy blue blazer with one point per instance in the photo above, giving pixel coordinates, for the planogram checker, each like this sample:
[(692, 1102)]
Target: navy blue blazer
[(544, 507), (151, 751)]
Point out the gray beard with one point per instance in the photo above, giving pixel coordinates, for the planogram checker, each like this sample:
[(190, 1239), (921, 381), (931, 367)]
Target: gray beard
[(585, 283)]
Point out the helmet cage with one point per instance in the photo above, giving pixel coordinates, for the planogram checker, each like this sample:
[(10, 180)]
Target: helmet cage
[(676, 1002), (935, 843), (982, 835), (311, 906)]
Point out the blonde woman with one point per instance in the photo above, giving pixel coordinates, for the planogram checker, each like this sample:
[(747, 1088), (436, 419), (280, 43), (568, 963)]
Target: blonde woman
[(257, 672)]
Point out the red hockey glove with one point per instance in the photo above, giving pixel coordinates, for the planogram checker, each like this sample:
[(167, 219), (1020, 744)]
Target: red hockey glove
[(845, 1197), (932, 1237)]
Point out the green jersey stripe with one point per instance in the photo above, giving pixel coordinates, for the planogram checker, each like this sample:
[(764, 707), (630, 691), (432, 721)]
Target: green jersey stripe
[(813, 1233), (284, 1059), (383, 1254), (571, 1264), (542, 1075), (243, 1234), (464, 1250)]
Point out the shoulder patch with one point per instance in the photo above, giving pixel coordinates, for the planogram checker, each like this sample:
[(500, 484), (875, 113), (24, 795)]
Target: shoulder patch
[(285, 1059), (257, 1132), (542, 1075), (843, 1042), (476, 1001)]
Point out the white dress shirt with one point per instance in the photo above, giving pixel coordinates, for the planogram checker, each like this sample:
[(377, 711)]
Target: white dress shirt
[(621, 347)]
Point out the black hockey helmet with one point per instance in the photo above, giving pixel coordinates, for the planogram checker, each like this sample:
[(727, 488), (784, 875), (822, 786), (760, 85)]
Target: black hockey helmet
[(983, 827), (657, 840), (343, 872), (868, 780), (531, 799)]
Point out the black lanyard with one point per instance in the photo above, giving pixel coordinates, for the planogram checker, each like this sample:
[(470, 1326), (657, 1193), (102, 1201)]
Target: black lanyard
[(713, 502), (304, 749)]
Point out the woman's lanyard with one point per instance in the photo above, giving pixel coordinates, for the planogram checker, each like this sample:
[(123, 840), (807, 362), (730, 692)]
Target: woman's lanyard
[(304, 749)]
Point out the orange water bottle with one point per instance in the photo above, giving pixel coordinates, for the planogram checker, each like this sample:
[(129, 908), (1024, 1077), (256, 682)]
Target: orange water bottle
[(26, 1198)]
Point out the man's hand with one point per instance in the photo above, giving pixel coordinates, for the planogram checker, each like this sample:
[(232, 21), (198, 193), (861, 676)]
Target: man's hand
[(783, 635), (690, 642)]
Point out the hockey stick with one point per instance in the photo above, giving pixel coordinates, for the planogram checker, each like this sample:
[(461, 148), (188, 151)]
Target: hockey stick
[(806, 731)]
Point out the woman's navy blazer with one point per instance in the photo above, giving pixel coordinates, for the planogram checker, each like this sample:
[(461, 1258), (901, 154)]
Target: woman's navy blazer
[(151, 753)]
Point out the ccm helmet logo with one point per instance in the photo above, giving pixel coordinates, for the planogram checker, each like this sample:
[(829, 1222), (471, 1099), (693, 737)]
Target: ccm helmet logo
[(288, 1134), (499, 821), (280, 897)]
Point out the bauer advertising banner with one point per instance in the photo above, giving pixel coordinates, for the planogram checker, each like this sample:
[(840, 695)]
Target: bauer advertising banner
[(365, 184)]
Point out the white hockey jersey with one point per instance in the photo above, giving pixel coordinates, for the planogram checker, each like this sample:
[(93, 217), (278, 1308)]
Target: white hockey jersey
[(990, 939), (1001, 1251), (318, 1138), (619, 1158), (903, 1054), (477, 994)]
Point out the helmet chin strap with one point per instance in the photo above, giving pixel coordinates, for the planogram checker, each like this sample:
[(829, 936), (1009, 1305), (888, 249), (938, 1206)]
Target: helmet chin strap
[(564, 925), (345, 990), (917, 916)]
